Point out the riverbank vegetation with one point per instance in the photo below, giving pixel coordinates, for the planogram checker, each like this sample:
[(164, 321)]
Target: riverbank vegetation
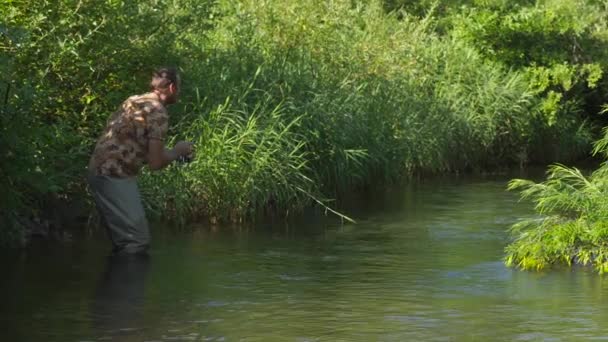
[(572, 226), (294, 102)]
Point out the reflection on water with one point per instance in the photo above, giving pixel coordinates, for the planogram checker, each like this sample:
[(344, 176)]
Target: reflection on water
[(422, 264), (118, 303)]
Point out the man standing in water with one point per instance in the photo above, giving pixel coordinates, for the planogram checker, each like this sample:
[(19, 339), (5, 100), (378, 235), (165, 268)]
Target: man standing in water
[(134, 136)]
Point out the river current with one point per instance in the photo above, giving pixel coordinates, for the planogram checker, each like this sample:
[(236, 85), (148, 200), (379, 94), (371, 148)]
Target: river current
[(423, 263)]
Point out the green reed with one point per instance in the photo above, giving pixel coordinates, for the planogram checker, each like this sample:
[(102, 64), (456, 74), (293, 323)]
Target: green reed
[(290, 99), (247, 163)]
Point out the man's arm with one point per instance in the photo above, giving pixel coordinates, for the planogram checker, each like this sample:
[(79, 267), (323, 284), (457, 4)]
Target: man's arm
[(157, 126), (159, 156)]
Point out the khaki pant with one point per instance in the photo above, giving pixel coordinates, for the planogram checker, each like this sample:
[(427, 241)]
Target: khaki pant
[(119, 205)]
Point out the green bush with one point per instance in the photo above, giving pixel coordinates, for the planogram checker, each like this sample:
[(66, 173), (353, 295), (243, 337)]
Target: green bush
[(64, 66), (560, 47), (571, 225)]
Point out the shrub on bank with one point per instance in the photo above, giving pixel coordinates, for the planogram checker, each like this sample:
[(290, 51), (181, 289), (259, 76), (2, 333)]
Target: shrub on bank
[(572, 227)]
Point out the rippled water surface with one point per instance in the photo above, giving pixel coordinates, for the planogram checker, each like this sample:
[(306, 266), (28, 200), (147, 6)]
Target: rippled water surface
[(424, 263)]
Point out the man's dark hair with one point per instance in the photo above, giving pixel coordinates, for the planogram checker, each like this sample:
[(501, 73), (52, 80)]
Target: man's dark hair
[(163, 77)]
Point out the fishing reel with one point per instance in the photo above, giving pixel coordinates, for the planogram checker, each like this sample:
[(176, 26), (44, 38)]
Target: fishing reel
[(185, 159), (188, 158)]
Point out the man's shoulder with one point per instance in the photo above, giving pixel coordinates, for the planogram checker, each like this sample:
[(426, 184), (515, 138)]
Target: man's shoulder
[(147, 102)]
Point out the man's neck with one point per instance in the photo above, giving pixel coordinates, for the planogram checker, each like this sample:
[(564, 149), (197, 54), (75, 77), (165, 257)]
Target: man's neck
[(161, 97)]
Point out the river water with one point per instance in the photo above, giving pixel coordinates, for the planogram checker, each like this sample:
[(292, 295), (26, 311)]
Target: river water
[(423, 263)]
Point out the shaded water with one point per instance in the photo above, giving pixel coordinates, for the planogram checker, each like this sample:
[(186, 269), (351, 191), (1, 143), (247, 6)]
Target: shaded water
[(422, 264)]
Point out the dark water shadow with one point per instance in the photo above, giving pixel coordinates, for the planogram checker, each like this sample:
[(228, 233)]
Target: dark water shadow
[(118, 304)]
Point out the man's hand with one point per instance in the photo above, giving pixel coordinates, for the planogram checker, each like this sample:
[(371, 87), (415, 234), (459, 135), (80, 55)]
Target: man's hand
[(159, 156), (184, 148), (189, 156)]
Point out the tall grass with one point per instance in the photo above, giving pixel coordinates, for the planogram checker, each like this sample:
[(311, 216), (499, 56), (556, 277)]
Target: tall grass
[(246, 162), (370, 87), (367, 98), (293, 100)]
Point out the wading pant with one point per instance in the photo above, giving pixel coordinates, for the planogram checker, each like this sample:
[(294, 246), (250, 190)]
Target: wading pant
[(119, 206)]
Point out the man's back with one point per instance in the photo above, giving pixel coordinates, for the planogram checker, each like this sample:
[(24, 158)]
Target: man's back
[(122, 148)]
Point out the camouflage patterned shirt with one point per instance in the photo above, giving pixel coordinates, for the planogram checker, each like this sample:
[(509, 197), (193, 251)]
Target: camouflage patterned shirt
[(122, 149)]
